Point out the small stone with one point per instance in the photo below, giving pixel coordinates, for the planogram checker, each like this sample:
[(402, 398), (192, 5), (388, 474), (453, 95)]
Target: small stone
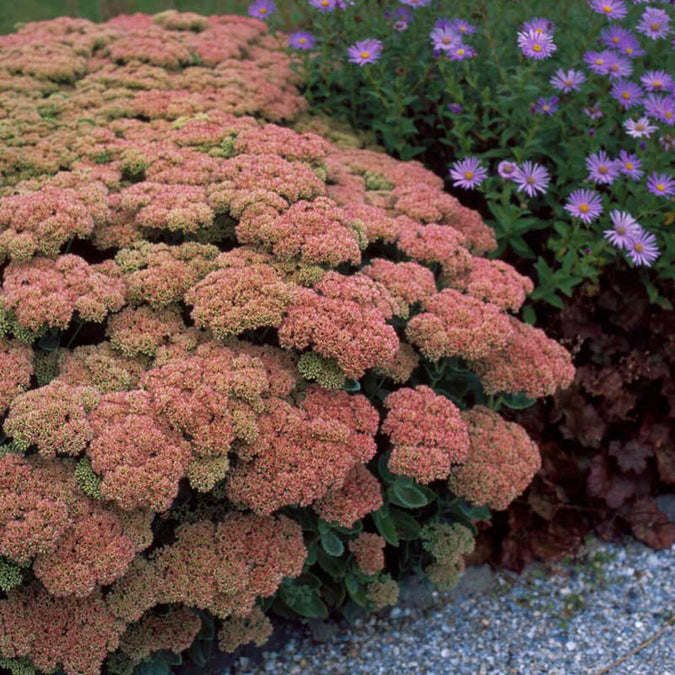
[(653, 560), (570, 646), (445, 653)]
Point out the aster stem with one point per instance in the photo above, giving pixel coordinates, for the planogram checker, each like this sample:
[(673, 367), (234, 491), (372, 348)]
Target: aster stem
[(491, 43)]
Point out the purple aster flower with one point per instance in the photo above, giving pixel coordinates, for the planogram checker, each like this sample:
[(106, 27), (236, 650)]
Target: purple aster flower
[(642, 248), (461, 52), (455, 108), (661, 107), (532, 178), (630, 164), (601, 168), (443, 22), (599, 62), (462, 27), (416, 3), (324, 5), (654, 23), (535, 45), (612, 9), (623, 230), (618, 66), (568, 81), (403, 13), (546, 106), (614, 36), (642, 128), (632, 49), (657, 80), (365, 51), (591, 132), (507, 169), (538, 25), (301, 40), (467, 173), (400, 25), (627, 93), (444, 38), (594, 112), (584, 204), (261, 9), (661, 184)]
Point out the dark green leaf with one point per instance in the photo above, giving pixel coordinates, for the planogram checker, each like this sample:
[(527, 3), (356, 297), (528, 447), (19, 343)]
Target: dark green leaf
[(356, 590), (385, 526), (408, 496), (517, 401), (336, 567), (407, 527), (331, 543)]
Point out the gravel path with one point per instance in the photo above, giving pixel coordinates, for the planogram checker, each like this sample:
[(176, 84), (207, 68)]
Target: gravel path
[(575, 618)]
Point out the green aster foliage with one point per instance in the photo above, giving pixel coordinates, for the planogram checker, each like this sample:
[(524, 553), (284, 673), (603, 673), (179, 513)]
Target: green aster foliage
[(486, 99)]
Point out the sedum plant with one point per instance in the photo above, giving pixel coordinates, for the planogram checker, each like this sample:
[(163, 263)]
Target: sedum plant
[(244, 369)]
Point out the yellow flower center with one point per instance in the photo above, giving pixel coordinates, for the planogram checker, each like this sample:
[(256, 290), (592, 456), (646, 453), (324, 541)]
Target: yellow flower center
[(446, 40), (536, 48), (625, 95), (462, 28), (629, 50), (660, 187), (568, 83), (460, 52), (583, 208), (602, 169), (639, 247), (325, 3), (262, 10), (530, 180), (655, 26), (657, 84), (599, 62), (615, 40), (669, 115), (607, 8), (621, 230), (639, 127), (629, 165), (365, 55), (468, 175), (302, 41), (546, 108)]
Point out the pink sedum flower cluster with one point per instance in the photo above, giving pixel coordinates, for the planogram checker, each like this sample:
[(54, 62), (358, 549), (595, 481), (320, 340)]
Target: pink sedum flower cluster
[(529, 362), (16, 366), (427, 434), (183, 256), (368, 550), (43, 293), (455, 324), (501, 463)]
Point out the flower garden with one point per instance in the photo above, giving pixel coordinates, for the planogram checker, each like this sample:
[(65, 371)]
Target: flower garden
[(298, 304)]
